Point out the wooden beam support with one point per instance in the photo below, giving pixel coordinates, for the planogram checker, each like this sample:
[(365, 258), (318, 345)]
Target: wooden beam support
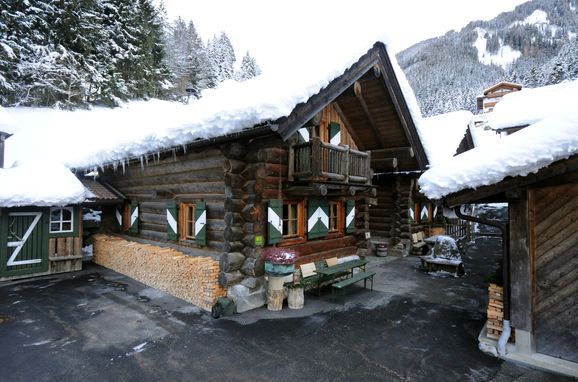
[(404, 152), (384, 163), (359, 94)]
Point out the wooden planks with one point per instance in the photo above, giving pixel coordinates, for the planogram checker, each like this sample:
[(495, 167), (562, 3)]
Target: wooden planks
[(554, 237)]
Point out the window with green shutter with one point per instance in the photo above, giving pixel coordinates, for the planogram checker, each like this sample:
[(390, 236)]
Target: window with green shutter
[(134, 214), (275, 221), (317, 218), (172, 219), (350, 216)]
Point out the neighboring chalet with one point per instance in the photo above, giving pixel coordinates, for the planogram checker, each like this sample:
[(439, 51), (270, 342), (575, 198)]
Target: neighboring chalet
[(492, 95), (535, 171)]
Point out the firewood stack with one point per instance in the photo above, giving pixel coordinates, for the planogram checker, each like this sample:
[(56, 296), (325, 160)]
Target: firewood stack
[(495, 311)]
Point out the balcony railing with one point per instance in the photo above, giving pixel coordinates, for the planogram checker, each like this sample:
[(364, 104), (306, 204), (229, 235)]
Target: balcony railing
[(316, 160)]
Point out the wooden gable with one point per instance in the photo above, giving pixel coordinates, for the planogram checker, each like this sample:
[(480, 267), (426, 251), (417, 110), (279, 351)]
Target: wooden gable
[(369, 100)]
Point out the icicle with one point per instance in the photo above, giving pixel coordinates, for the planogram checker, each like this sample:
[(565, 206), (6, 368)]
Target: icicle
[(123, 166), (175, 155), (184, 149), (147, 159), (141, 163)]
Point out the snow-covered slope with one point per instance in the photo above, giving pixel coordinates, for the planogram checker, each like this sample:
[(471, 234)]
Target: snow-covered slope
[(504, 56)]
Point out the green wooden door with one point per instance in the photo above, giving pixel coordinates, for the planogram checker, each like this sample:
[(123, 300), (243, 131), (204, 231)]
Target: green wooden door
[(23, 242)]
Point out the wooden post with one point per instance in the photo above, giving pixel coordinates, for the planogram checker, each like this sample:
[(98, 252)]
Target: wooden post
[(291, 164), (368, 167), (346, 172), (315, 157)]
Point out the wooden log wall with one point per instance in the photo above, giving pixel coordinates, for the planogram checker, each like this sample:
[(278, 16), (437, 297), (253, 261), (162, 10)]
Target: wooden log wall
[(190, 177), (390, 218), (329, 114)]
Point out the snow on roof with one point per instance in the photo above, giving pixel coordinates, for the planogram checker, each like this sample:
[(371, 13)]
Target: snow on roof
[(7, 123), (87, 138), (40, 184), (531, 105), (551, 136), (441, 135)]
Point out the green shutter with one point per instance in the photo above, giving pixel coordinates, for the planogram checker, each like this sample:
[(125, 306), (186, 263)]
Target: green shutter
[(411, 216), (134, 213), (201, 223), (350, 216), (118, 218), (424, 217), (334, 133), (172, 220), (275, 221), (303, 134), (317, 218)]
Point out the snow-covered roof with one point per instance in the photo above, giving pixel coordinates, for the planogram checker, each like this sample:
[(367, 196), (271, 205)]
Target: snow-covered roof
[(7, 123), (86, 138), (40, 184), (552, 135), (441, 135)]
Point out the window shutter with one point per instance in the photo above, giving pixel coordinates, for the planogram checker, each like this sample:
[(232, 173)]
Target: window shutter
[(172, 219), (424, 217), (411, 216), (350, 216), (118, 218), (201, 223), (317, 218), (134, 212), (275, 221), (303, 135), (334, 133)]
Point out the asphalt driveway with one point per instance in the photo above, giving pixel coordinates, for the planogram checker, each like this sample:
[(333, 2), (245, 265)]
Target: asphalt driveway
[(98, 325)]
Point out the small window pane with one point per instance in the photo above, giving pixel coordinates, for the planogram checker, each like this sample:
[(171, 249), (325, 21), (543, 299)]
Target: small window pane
[(54, 227), (66, 227), (66, 214), (55, 215)]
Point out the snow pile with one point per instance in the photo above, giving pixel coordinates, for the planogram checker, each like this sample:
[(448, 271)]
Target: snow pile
[(441, 135), (87, 138), (503, 57), (7, 123), (40, 184), (551, 136), (445, 251), (528, 106)]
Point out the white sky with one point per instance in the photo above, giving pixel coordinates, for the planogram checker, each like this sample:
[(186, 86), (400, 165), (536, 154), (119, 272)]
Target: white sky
[(274, 32)]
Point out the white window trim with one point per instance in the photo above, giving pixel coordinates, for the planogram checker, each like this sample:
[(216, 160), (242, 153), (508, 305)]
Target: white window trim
[(61, 221)]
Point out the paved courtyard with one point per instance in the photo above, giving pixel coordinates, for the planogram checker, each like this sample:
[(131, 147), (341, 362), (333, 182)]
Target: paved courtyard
[(98, 325)]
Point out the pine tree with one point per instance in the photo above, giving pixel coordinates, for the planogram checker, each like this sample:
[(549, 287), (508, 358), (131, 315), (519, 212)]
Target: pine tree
[(221, 60), (249, 68)]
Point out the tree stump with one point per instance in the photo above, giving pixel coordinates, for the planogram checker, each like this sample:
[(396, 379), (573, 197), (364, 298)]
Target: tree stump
[(275, 299)]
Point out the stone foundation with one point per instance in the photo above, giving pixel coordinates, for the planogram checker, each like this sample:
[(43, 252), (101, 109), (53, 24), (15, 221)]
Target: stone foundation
[(193, 279)]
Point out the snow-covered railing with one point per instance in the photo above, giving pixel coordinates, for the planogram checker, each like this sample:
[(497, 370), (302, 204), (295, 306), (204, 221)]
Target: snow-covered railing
[(318, 160)]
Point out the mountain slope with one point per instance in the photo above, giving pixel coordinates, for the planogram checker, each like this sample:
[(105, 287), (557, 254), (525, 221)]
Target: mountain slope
[(535, 44)]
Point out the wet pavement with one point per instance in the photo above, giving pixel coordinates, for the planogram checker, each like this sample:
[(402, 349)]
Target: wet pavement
[(98, 325)]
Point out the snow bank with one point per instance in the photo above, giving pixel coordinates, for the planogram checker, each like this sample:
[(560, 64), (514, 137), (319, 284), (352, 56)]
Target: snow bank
[(441, 135), (87, 138), (551, 136), (40, 184)]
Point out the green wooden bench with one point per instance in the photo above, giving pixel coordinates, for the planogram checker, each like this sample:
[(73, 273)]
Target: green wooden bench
[(341, 285), (313, 279)]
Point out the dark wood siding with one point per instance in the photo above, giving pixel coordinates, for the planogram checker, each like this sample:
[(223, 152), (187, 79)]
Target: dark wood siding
[(554, 234)]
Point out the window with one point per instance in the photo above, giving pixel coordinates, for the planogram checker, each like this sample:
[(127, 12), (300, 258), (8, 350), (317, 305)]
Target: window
[(187, 221), (293, 225), (335, 217), (61, 220)]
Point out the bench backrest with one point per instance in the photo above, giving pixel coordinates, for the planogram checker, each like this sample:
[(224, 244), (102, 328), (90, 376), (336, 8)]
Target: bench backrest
[(417, 237), (307, 270), (332, 261)]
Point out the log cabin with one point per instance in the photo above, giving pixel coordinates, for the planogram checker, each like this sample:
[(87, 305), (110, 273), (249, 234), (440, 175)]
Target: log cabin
[(303, 180), (534, 171)]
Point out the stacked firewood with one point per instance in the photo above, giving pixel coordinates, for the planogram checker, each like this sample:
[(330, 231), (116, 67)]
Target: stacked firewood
[(495, 311)]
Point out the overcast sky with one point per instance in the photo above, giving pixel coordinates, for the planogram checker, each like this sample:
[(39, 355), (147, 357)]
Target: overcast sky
[(272, 30)]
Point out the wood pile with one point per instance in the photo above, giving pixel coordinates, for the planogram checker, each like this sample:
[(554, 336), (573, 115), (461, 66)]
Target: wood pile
[(495, 311), (193, 279)]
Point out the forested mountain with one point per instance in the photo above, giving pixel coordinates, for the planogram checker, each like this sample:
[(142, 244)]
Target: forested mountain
[(535, 45), (77, 53)]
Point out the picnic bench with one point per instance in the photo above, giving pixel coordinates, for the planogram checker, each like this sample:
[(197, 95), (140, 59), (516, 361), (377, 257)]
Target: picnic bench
[(318, 273)]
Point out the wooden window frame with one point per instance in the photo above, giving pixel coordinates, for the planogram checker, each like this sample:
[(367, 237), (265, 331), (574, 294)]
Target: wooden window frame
[(187, 215), (301, 217), (61, 221), (339, 219)]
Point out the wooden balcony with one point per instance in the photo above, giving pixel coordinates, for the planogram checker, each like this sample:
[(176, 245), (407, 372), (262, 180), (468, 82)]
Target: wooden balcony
[(319, 161)]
